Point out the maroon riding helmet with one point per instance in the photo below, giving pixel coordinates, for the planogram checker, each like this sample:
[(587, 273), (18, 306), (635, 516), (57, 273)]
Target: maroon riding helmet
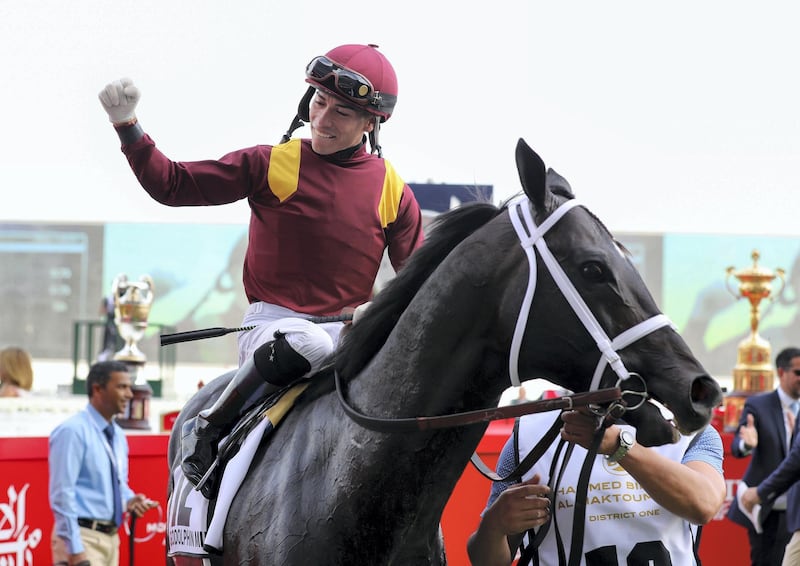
[(360, 76)]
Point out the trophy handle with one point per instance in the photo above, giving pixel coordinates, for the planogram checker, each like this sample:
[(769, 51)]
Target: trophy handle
[(120, 283), (728, 273), (780, 274), (150, 286)]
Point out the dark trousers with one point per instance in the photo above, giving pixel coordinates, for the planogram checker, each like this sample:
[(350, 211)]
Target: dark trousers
[(766, 549)]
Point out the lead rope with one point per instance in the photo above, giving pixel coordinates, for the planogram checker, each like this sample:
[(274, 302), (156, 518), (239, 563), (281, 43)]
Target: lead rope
[(529, 554), (579, 516)]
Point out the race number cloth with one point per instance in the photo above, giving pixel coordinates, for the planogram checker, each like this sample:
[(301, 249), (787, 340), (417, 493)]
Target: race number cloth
[(614, 533), (195, 525)]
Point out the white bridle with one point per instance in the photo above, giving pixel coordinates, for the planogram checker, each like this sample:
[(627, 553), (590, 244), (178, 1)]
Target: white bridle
[(531, 235)]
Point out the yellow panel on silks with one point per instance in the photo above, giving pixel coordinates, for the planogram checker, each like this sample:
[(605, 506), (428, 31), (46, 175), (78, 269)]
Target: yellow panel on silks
[(284, 169)]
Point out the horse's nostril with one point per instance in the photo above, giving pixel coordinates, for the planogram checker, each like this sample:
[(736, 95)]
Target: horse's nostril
[(706, 392)]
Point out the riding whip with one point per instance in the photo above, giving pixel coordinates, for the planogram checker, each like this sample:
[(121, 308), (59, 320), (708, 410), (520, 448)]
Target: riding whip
[(175, 338)]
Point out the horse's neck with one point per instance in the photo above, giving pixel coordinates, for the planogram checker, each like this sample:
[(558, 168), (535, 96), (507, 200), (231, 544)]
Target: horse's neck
[(437, 348), (418, 356), (441, 337), (433, 363)]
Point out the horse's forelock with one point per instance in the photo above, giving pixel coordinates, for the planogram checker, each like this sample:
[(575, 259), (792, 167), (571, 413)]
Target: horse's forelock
[(623, 250), (446, 231)]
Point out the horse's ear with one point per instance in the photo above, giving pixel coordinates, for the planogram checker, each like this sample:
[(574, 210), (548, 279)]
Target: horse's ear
[(558, 184), (531, 173)]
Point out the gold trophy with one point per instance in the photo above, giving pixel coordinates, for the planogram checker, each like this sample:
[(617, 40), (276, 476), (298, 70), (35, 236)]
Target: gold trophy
[(132, 302), (753, 371)]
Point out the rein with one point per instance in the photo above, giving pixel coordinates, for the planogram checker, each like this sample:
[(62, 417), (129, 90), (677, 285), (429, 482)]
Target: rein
[(531, 238), (416, 424)]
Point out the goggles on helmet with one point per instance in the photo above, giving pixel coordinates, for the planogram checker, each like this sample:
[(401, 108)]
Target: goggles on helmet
[(350, 84)]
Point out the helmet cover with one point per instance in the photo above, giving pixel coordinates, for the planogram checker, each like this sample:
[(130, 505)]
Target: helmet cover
[(353, 60)]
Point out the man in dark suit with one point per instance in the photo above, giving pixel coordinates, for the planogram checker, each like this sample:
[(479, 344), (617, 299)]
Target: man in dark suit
[(764, 432), (783, 478)]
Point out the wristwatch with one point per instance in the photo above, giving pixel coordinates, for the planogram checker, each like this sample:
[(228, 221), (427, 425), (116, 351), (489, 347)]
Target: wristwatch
[(626, 442)]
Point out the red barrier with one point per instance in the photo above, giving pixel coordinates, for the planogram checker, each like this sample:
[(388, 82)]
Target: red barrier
[(25, 515), (26, 521)]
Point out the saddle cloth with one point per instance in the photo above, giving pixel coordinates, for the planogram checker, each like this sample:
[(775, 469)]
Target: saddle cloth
[(195, 525)]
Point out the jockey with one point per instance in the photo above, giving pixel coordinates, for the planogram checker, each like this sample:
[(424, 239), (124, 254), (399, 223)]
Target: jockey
[(323, 211)]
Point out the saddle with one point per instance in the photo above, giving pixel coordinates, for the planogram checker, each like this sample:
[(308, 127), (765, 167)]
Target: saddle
[(273, 407), (198, 534)]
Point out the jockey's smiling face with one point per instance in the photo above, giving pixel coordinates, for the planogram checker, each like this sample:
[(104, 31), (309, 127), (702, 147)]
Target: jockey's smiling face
[(335, 125)]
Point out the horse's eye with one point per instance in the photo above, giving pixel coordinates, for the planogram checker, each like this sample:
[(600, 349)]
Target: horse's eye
[(593, 271)]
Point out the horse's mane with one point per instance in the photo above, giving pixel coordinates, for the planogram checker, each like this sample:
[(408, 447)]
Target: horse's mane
[(447, 230)]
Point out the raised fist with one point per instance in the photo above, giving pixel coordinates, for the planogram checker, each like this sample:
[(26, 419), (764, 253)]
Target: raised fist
[(119, 100)]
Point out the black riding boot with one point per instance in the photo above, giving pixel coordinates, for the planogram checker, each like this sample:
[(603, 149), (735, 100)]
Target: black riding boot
[(275, 363)]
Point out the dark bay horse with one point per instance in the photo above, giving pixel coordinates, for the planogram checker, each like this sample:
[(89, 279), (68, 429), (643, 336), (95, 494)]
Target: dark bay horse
[(472, 309)]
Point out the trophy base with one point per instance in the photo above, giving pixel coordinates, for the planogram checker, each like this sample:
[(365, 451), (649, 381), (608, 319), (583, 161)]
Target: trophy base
[(137, 413), (753, 374), (734, 403), (131, 356), (753, 379)]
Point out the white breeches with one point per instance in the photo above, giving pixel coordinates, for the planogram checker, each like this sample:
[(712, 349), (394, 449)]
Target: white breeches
[(313, 341)]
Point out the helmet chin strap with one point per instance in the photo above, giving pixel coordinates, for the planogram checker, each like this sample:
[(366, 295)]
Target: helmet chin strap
[(301, 117), (297, 122), (373, 137)]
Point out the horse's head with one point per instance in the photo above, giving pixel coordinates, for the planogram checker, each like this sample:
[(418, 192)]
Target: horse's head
[(578, 349)]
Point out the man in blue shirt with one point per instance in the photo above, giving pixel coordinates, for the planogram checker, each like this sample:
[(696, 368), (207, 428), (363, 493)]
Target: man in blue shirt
[(88, 461)]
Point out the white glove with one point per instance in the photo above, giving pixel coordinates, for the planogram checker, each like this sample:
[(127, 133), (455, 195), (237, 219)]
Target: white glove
[(360, 310), (119, 99)]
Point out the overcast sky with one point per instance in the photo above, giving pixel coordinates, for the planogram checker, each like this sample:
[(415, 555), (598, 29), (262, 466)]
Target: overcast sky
[(679, 116)]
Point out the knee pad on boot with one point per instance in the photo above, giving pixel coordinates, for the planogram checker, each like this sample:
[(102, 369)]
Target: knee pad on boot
[(278, 363)]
